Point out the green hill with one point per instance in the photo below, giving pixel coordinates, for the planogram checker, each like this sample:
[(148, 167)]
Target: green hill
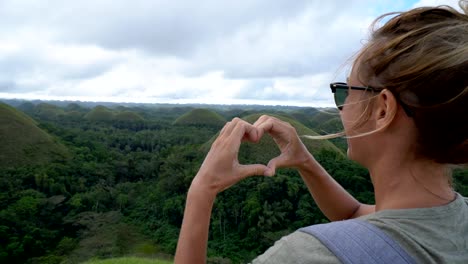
[(128, 117), (48, 112), (100, 114), (323, 116), (266, 149), (203, 117), (75, 107), (27, 107), (305, 116), (332, 125), (23, 142), (129, 120)]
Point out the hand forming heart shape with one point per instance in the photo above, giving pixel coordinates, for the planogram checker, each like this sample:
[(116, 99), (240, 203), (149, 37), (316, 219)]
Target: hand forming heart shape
[(221, 168)]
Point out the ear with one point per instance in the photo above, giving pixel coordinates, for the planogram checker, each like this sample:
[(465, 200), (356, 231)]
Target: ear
[(385, 109)]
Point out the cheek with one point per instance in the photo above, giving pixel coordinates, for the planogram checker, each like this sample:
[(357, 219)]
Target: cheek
[(349, 123)]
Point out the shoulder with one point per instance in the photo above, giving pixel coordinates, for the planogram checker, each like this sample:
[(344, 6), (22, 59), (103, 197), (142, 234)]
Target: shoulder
[(430, 235), (297, 247)]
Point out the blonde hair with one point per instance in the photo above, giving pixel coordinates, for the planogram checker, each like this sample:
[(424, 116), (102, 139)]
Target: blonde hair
[(421, 56)]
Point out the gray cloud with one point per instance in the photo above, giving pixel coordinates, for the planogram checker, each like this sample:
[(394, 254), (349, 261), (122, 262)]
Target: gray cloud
[(6, 86), (31, 71), (129, 47), (165, 27), (87, 72)]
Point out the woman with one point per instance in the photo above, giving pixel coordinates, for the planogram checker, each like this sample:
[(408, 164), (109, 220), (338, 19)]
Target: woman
[(404, 110)]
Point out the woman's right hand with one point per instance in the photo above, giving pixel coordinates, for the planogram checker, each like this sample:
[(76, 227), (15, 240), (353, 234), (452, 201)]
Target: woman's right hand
[(293, 152)]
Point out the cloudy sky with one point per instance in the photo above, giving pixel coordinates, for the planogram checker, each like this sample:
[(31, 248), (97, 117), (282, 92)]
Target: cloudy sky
[(183, 51)]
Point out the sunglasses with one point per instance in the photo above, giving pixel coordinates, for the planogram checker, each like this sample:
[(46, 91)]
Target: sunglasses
[(340, 91)]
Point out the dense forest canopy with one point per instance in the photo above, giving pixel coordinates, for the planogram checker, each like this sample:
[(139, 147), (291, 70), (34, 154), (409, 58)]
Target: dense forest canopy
[(86, 180)]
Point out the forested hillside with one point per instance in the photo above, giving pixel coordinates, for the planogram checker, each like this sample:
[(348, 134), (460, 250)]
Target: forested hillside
[(112, 181)]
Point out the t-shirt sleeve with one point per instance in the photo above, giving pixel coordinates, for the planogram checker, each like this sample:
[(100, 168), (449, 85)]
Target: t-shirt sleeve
[(297, 247)]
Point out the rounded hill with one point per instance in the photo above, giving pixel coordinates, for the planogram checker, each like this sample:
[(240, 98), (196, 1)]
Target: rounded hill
[(48, 111), (75, 107), (23, 142), (201, 117), (27, 107), (100, 114)]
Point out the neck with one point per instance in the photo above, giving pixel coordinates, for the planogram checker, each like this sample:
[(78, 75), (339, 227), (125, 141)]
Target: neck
[(415, 184)]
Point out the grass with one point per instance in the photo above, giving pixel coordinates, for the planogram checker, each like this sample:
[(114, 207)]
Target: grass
[(128, 260), (23, 142)]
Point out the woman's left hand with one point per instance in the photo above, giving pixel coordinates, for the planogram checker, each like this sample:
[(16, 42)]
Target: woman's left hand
[(221, 169)]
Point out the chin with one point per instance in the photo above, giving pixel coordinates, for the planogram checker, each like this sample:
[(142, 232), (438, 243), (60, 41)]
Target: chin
[(352, 156), (349, 153)]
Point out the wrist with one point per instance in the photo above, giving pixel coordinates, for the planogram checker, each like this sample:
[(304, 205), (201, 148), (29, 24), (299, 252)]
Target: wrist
[(200, 192), (309, 164)]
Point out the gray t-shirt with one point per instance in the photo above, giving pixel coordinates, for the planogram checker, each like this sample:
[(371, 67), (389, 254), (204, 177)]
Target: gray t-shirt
[(429, 235)]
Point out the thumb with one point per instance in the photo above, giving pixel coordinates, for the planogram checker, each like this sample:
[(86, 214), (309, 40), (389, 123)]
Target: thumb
[(252, 169), (274, 163)]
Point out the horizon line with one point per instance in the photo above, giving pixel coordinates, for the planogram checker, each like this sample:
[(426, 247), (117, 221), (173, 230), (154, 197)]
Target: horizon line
[(225, 102)]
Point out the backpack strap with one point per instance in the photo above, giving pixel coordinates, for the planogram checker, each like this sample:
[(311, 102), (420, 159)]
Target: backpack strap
[(357, 241)]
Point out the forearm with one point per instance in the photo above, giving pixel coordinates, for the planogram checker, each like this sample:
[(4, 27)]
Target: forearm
[(193, 238), (220, 170), (333, 200)]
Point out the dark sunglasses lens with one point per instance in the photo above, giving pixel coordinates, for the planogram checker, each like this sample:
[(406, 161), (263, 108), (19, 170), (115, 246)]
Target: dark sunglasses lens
[(340, 97)]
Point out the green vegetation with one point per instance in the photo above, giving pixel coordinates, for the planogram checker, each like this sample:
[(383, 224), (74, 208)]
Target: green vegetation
[(322, 116), (95, 183), (48, 112), (128, 117), (100, 114)]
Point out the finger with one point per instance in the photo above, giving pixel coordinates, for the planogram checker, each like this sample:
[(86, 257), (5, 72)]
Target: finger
[(221, 135), (261, 119), (244, 130), (228, 128), (259, 123), (252, 134), (269, 123), (275, 163), (276, 127), (262, 124), (266, 118), (252, 169)]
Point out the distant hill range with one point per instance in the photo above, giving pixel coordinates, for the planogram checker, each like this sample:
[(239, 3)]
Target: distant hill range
[(121, 116), (224, 108), (22, 142), (76, 112)]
